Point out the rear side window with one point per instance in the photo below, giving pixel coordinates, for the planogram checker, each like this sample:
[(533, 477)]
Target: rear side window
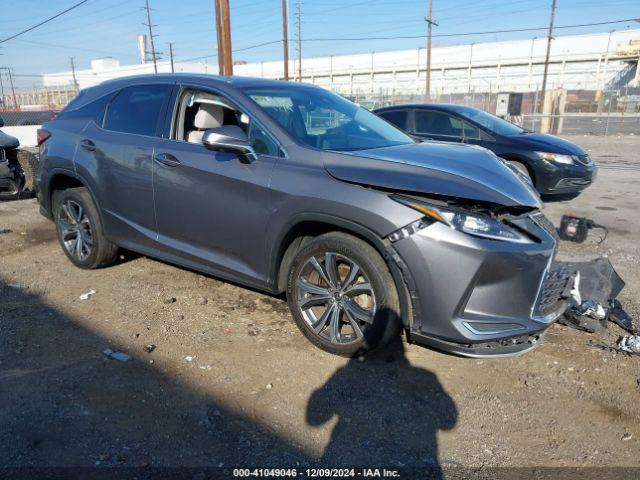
[(136, 109), (396, 117), (430, 122), (91, 111)]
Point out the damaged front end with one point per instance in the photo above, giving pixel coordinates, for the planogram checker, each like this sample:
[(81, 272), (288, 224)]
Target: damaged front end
[(490, 285)]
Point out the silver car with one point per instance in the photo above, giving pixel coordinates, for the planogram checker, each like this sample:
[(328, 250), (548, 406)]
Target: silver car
[(286, 187)]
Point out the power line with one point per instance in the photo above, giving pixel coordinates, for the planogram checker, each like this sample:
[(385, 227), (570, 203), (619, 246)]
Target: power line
[(532, 29), (513, 30), (43, 22)]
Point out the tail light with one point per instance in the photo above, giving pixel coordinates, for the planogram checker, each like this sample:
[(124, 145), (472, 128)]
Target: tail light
[(43, 135)]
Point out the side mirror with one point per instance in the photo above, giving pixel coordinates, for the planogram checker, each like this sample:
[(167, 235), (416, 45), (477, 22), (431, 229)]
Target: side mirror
[(1, 122), (230, 138)]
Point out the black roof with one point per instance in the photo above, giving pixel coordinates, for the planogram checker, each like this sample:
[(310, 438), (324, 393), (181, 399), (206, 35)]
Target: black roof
[(446, 107)]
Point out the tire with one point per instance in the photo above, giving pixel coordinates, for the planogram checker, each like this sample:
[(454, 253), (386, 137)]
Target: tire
[(337, 301), (28, 162), (75, 214)]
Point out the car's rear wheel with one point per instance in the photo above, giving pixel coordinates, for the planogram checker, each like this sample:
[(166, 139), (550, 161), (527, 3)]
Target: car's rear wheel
[(80, 230), (342, 296)]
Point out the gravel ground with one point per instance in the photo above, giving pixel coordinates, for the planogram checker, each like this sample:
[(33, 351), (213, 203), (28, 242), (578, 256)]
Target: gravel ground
[(231, 382)]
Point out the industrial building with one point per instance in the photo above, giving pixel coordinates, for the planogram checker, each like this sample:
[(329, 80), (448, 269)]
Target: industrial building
[(601, 61)]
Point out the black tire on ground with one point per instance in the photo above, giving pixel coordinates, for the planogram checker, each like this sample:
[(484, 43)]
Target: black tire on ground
[(28, 162), (386, 324), (103, 252)]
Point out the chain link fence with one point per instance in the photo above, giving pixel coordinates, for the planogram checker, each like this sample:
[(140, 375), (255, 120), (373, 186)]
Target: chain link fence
[(584, 112)]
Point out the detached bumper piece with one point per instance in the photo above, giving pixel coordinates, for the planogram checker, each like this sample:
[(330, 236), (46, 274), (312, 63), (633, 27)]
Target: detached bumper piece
[(593, 298), (508, 347)]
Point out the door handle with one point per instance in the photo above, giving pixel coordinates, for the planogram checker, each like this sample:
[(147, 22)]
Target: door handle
[(87, 145), (167, 159)]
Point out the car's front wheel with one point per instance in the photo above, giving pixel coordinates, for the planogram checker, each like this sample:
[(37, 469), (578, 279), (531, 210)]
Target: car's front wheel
[(342, 295), (80, 230)]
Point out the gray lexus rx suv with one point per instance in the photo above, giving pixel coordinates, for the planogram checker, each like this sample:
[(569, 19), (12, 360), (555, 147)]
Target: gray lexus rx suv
[(286, 187)]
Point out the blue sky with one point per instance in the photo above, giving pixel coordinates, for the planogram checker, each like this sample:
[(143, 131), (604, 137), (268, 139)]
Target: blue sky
[(109, 27)]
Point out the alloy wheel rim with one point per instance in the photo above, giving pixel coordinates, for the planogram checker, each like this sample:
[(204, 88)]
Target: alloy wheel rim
[(75, 230), (335, 298)]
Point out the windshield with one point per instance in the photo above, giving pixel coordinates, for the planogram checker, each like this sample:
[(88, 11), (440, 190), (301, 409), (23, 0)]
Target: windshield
[(491, 122), (324, 120)]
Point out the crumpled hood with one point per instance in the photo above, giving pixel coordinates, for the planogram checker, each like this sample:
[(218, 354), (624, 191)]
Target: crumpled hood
[(550, 143), (453, 170), (7, 141)]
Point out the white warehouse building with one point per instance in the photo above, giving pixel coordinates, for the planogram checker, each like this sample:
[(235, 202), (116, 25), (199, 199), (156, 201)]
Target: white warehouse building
[(601, 61)]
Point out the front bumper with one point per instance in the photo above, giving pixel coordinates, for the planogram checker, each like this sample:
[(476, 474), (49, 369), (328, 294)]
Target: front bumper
[(565, 179), (471, 293)]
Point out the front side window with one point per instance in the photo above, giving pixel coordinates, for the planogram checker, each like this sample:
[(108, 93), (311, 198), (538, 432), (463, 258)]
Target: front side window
[(321, 119), (136, 109), (490, 122), (200, 111)]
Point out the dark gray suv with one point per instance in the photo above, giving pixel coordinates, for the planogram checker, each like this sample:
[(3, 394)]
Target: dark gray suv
[(290, 188)]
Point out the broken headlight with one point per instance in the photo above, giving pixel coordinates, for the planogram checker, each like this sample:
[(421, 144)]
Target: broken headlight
[(473, 223)]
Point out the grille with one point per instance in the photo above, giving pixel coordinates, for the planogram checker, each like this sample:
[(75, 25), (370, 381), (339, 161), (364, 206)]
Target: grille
[(552, 290), (584, 159), (544, 223)]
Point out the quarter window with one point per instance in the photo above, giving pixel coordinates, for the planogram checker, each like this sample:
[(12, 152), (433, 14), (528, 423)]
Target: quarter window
[(136, 109)]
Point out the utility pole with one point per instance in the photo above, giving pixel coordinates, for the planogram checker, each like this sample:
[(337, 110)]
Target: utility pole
[(285, 40), (299, 26), (150, 26), (1, 90), (225, 23), (171, 55), (546, 60), (13, 90), (219, 40), (73, 74), (430, 24)]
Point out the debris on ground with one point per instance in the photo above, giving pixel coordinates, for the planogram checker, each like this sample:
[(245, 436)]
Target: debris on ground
[(119, 356), (5, 231), (149, 348), (202, 301), (593, 298), (576, 229), (629, 344), (589, 316), (86, 295), (621, 318), (169, 300), (626, 437), (189, 358)]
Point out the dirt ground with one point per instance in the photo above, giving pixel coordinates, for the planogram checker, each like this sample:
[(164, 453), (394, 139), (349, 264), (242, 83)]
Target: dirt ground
[(232, 382)]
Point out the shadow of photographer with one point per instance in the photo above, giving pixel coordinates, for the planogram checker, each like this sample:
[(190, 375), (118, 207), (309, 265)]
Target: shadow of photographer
[(388, 413)]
